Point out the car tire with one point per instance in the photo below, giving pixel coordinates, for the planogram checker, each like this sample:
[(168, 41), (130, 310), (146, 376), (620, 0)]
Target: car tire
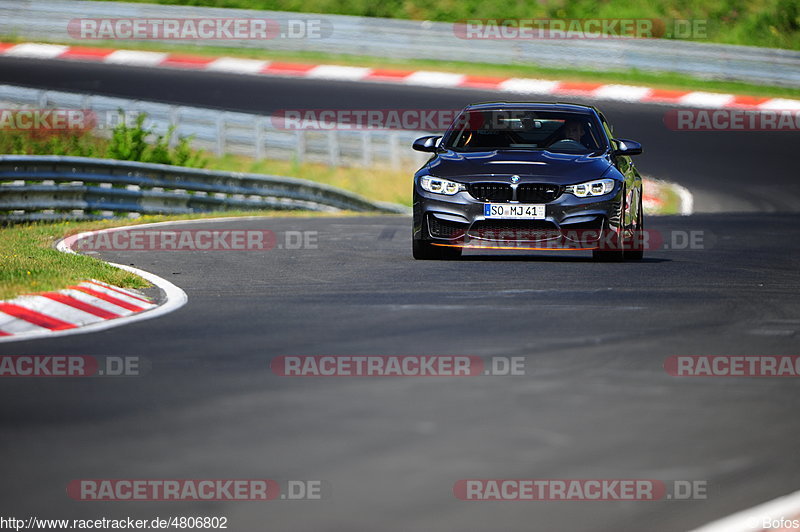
[(423, 250), (616, 240), (634, 249)]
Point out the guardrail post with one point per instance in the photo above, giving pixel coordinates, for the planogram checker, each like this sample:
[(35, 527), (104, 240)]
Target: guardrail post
[(300, 145), (174, 120), (366, 148), (260, 138), (221, 135), (394, 151), (333, 148)]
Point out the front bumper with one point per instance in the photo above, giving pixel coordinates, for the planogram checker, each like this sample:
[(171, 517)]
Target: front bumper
[(570, 222)]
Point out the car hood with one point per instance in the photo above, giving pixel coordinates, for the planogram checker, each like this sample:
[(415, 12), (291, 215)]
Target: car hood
[(530, 166)]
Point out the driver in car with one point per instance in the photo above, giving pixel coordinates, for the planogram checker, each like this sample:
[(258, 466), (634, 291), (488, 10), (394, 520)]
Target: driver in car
[(573, 130)]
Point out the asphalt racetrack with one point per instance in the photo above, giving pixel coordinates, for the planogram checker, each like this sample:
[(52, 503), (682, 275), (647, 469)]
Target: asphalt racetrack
[(595, 401)]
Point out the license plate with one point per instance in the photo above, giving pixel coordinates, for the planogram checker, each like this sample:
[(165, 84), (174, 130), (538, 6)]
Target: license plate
[(513, 211)]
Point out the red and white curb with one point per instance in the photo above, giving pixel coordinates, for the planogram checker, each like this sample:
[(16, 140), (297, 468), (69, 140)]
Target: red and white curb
[(82, 304), (779, 515), (86, 307), (423, 78)]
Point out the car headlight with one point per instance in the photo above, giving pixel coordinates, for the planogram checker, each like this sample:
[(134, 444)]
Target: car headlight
[(437, 185), (591, 188)]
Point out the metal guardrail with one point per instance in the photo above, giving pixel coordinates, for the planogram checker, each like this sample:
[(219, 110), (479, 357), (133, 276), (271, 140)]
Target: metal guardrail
[(48, 19), (53, 187), (224, 132)]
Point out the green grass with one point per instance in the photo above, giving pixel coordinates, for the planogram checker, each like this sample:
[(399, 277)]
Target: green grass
[(770, 23), (375, 183), (632, 77), (29, 263)]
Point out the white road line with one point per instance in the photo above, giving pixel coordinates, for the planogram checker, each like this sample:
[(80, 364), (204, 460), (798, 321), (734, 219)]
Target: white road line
[(780, 103), (36, 50), (237, 66), (706, 99), (624, 93), (349, 73), (135, 57), (434, 79), (528, 86)]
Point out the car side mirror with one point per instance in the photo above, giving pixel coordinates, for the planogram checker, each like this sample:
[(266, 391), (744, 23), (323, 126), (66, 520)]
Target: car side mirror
[(627, 147), (429, 144)]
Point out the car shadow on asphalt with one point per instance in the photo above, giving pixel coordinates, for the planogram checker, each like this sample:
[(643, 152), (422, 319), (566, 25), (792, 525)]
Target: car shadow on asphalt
[(549, 258)]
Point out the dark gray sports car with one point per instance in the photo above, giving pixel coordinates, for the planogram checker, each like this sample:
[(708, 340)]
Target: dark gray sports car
[(532, 176)]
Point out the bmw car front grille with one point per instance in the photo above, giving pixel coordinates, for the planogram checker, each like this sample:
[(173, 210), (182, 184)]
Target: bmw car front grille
[(537, 193), (525, 193), (493, 192)]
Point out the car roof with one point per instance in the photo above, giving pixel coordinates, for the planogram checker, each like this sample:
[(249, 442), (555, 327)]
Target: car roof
[(534, 106)]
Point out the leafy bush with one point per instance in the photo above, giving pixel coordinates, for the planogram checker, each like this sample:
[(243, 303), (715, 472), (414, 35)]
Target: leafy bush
[(127, 143)]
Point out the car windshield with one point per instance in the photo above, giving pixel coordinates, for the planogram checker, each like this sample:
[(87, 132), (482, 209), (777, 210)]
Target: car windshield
[(506, 129)]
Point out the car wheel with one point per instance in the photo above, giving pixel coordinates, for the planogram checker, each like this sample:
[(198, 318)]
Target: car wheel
[(426, 251), (613, 240), (634, 249)]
